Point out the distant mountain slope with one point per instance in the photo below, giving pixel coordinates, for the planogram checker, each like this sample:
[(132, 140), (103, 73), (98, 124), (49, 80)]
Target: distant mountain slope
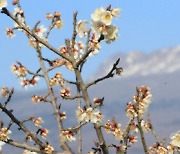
[(166, 60)]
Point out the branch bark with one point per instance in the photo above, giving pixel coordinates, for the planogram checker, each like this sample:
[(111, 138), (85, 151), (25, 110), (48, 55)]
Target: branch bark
[(63, 145)]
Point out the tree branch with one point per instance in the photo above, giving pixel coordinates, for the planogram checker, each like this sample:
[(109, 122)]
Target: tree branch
[(22, 127), (40, 40), (109, 75), (64, 145)]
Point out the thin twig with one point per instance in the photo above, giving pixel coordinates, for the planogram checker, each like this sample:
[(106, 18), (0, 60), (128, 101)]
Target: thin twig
[(109, 75), (22, 127), (40, 40), (9, 97), (152, 128)]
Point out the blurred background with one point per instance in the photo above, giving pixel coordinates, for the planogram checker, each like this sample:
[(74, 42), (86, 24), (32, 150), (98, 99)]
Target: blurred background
[(149, 48)]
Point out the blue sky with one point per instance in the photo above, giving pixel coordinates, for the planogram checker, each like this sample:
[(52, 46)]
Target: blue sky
[(143, 26)]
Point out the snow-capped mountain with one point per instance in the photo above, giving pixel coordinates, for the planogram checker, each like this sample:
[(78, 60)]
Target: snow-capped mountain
[(166, 60)]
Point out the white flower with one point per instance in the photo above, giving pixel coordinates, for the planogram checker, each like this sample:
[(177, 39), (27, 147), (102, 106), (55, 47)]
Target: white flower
[(175, 137), (115, 12), (106, 18), (1, 144), (110, 33), (92, 115), (98, 27), (81, 28), (39, 31), (67, 135), (3, 3), (96, 16)]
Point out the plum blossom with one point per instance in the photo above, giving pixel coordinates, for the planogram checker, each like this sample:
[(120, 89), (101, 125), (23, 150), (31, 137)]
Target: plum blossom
[(20, 71), (40, 31), (114, 128), (38, 121), (80, 114), (4, 92), (102, 24), (161, 150), (106, 18), (146, 126), (44, 132), (4, 134), (81, 28), (134, 127), (67, 135), (115, 12), (65, 92), (48, 149), (89, 115), (37, 99), (62, 115), (97, 15), (49, 16), (132, 139), (92, 115), (3, 3), (10, 33), (130, 110), (175, 139), (59, 24)]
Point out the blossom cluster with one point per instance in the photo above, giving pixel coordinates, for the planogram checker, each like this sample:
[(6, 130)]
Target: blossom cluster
[(65, 93), (141, 102), (175, 139), (48, 149), (89, 115), (56, 18), (102, 23), (101, 26), (4, 134), (77, 49), (67, 135), (114, 128), (42, 131), (171, 148), (57, 79), (21, 72), (36, 99), (146, 126)]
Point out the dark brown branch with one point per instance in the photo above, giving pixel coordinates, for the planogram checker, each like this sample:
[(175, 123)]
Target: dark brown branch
[(22, 127), (35, 74), (72, 97), (74, 29), (23, 146), (109, 75)]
